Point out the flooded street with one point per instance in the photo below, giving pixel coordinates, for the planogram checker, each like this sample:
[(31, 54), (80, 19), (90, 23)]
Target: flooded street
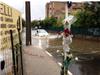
[(40, 42), (87, 51)]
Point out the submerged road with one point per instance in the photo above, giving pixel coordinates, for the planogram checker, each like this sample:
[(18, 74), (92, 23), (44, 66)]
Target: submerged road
[(87, 52)]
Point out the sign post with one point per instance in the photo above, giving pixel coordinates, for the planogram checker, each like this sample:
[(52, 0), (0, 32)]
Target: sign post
[(9, 37), (67, 40)]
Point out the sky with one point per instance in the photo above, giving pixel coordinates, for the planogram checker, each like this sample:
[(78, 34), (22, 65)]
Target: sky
[(37, 7)]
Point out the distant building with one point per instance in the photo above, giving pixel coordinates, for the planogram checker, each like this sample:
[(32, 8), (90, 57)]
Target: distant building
[(59, 9), (56, 9), (76, 7)]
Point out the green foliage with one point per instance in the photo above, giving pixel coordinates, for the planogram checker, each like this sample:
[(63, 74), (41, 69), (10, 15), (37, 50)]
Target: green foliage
[(56, 28), (89, 17), (48, 23)]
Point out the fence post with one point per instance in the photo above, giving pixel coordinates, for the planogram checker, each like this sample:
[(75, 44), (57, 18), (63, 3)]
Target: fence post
[(20, 42), (12, 46)]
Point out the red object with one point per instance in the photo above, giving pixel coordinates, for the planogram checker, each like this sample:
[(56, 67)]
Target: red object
[(67, 32)]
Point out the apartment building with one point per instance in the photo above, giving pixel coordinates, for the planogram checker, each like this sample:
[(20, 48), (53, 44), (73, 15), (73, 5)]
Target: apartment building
[(56, 9), (60, 10), (76, 7)]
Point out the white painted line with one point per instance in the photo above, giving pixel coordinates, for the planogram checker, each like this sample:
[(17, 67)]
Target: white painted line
[(76, 58), (69, 73), (57, 51), (59, 64), (48, 53)]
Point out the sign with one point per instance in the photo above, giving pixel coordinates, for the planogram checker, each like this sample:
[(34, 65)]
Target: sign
[(68, 21), (9, 19)]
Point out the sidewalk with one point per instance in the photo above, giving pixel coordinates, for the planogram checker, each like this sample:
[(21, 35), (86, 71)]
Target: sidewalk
[(37, 62)]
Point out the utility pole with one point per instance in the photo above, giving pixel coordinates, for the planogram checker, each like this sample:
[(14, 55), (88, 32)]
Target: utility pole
[(28, 23)]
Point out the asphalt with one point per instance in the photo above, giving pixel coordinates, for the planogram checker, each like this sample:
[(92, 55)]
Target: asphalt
[(37, 62)]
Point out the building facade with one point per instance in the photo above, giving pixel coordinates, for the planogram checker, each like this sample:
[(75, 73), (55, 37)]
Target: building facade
[(56, 9), (76, 7), (60, 10)]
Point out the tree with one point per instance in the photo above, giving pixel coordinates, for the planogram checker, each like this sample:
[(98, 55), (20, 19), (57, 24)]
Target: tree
[(89, 16), (34, 23), (47, 23)]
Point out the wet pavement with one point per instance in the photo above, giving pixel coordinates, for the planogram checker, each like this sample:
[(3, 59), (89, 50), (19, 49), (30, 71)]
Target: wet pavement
[(87, 52), (37, 62)]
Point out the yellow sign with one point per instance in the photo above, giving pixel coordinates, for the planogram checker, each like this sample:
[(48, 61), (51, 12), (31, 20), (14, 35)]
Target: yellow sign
[(9, 18)]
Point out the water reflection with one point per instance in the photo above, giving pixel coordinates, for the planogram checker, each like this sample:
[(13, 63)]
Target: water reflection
[(85, 68), (85, 46), (41, 42), (88, 51), (90, 68)]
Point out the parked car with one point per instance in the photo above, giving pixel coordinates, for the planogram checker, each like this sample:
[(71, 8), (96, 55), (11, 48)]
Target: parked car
[(40, 32)]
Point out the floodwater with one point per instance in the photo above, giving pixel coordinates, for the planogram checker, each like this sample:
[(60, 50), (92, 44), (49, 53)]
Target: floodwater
[(87, 52)]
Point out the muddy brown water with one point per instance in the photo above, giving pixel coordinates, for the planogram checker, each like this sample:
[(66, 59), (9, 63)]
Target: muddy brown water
[(87, 51)]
